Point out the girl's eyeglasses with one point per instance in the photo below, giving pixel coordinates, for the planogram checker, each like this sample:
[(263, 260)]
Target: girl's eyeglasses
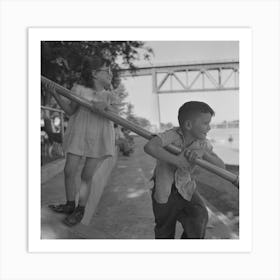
[(107, 70)]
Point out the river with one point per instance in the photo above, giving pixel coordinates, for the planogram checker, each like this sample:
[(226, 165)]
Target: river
[(226, 143)]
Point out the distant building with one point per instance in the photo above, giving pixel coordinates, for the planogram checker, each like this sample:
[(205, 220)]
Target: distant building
[(226, 124)]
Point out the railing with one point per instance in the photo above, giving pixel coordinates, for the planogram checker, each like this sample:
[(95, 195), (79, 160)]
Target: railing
[(52, 135)]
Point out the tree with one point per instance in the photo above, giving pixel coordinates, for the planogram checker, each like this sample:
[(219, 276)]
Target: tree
[(61, 60), (121, 92), (130, 116)]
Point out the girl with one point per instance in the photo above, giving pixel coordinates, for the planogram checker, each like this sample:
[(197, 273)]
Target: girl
[(88, 135)]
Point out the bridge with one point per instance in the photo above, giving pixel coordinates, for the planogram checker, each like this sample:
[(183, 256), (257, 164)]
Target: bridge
[(187, 77), (191, 76)]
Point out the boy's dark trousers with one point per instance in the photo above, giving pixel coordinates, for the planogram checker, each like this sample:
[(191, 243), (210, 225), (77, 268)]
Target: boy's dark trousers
[(193, 216)]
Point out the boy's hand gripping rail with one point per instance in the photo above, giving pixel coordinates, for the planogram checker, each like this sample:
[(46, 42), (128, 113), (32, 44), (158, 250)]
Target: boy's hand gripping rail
[(109, 114)]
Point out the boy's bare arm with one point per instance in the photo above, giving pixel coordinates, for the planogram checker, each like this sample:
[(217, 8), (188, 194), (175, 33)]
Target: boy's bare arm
[(208, 156), (155, 149), (213, 158)]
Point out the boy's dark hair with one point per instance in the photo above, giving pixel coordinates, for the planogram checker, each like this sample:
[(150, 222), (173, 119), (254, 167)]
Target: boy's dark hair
[(189, 109), (88, 65)]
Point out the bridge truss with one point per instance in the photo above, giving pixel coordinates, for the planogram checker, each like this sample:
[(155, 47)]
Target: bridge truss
[(190, 77)]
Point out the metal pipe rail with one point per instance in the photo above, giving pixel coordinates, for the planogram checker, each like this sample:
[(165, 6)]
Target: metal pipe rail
[(52, 109), (109, 114)]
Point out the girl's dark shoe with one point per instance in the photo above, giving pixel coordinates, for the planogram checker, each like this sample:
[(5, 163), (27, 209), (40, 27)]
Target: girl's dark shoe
[(75, 217), (63, 208)]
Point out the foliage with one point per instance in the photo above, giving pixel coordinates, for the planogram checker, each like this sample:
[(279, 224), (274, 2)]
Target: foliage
[(121, 94), (61, 60), (130, 116)]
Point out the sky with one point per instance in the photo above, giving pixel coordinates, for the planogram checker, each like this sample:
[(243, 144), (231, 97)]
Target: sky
[(224, 103)]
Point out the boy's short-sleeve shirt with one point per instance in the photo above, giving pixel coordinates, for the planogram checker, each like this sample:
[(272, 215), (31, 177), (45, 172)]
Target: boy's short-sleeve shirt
[(167, 173)]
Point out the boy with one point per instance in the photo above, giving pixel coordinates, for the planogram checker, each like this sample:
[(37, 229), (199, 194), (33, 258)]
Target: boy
[(174, 194)]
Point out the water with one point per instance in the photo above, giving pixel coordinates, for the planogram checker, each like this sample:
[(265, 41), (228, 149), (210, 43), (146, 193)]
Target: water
[(226, 149), (220, 136)]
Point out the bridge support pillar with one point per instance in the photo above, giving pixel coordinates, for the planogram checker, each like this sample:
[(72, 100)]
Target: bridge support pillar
[(156, 98)]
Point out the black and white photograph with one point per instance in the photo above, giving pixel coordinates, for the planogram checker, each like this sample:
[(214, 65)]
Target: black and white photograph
[(140, 140)]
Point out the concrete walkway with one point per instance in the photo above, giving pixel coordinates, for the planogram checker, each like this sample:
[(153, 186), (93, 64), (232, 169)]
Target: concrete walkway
[(125, 208)]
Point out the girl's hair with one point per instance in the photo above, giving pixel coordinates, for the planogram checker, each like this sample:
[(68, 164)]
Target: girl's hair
[(90, 64)]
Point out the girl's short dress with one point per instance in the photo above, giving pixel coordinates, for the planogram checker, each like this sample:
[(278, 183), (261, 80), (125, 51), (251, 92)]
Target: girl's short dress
[(87, 133)]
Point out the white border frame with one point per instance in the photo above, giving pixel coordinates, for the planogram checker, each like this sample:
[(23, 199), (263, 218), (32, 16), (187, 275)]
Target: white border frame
[(243, 35)]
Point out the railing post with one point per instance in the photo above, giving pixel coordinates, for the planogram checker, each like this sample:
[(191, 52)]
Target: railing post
[(62, 125)]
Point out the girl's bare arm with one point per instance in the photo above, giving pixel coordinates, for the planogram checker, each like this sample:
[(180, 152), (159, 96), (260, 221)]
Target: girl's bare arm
[(68, 108)]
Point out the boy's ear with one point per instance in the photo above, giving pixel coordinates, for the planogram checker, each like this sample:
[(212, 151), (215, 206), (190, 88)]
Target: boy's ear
[(188, 125)]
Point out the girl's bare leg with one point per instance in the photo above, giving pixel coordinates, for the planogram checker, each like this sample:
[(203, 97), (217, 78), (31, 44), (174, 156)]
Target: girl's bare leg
[(88, 171), (70, 171)]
